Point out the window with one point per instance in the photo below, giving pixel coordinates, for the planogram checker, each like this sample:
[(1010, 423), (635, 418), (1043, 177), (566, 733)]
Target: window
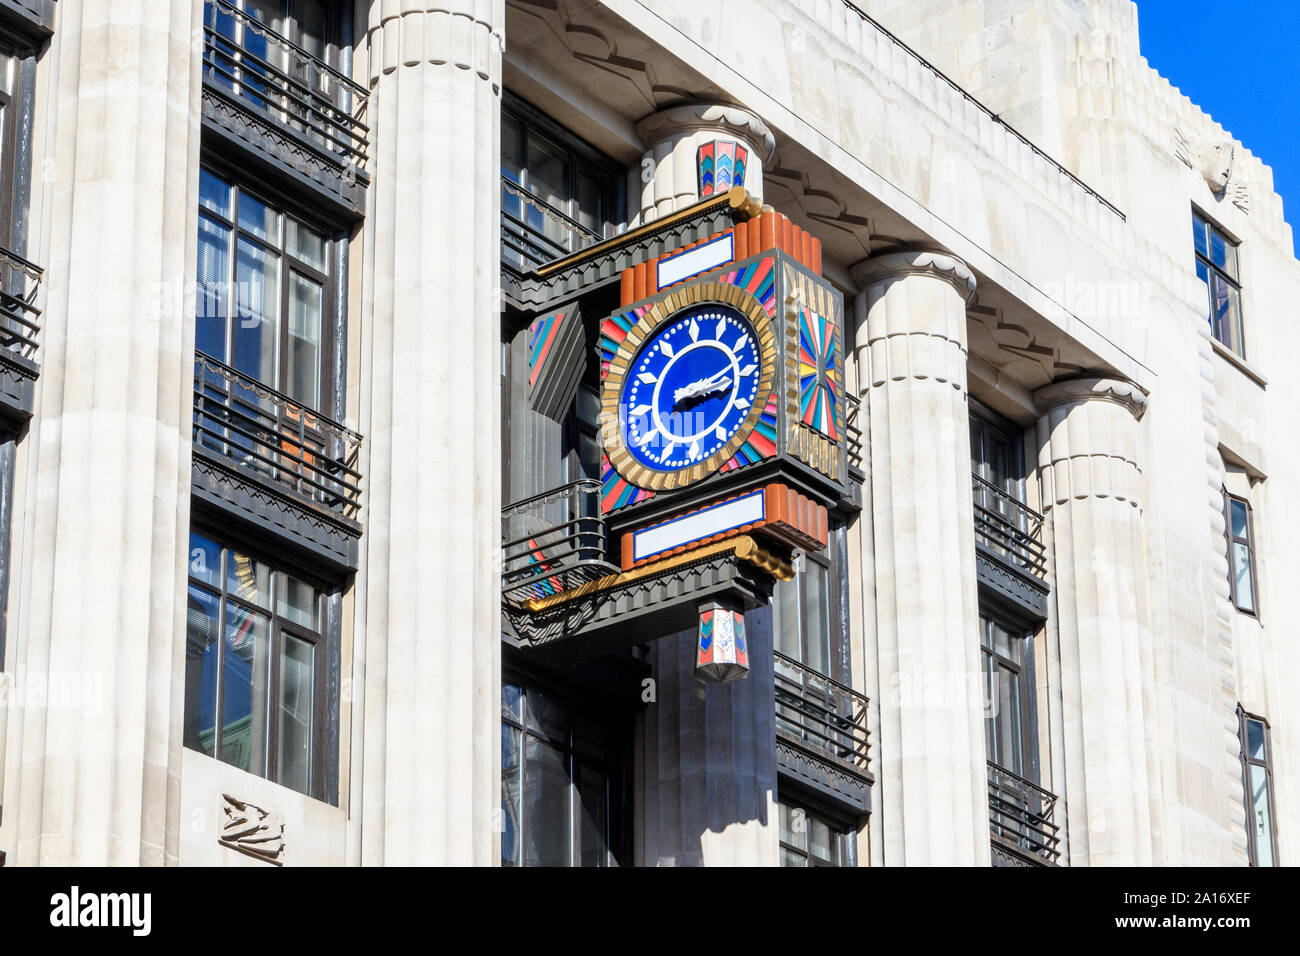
[(10, 130), (561, 781), (1216, 266), (287, 70), (582, 435), (263, 302), (808, 839), (1241, 553), (1009, 702), (995, 455), (1004, 524), (557, 193), (1257, 773), (805, 628), (255, 667)]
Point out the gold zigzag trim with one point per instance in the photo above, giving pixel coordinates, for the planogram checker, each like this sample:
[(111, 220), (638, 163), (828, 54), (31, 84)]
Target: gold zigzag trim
[(745, 548)]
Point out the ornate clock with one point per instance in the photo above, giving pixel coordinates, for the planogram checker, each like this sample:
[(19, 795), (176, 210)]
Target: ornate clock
[(688, 385)]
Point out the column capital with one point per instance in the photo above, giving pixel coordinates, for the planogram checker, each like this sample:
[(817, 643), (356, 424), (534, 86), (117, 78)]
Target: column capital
[(916, 262), (1078, 390), (691, 117)]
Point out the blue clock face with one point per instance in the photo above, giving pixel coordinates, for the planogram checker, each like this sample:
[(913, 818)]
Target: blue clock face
[(690, 388)]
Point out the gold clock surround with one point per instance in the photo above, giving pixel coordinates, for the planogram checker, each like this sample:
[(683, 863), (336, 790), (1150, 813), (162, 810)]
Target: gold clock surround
[(704, 293)]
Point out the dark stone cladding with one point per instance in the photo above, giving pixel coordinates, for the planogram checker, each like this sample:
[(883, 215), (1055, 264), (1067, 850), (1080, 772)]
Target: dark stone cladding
[(1005, 854), (280, 154), (326, 540), (641, 610), (17, 387), (33, 20), (541, 289), (1010, 586), (844, 788)]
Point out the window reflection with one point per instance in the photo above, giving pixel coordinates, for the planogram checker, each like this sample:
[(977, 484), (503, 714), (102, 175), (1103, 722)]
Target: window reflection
[(253, 698), (560, 799)]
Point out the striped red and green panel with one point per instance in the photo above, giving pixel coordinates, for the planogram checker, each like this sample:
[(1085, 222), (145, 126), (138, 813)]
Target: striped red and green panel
[(817, 399)]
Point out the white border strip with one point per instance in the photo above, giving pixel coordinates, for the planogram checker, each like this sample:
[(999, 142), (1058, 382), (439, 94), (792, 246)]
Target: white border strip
[(702, 524), (692, 262)]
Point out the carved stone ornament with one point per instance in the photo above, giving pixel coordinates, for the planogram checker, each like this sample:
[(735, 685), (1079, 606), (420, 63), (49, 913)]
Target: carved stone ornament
[(735, 120), (251, 830), (1215, 163), (941, 265), (1075, 390)]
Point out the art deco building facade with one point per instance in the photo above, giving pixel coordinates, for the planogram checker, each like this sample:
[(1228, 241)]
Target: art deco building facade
[(637, 432)]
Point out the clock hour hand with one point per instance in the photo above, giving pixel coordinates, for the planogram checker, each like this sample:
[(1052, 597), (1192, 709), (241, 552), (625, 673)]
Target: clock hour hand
[(704, 386)]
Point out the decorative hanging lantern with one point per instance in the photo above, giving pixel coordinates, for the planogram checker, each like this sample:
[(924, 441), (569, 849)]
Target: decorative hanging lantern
[(721, 654)]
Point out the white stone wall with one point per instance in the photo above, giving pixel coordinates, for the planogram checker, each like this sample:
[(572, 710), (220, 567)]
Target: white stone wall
[(1140, 604)]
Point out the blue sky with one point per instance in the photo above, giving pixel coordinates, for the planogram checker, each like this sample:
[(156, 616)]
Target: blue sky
[(1240, 62)]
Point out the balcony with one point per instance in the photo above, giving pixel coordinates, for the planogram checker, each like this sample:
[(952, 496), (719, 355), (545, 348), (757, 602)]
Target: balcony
[(533, 232), (33, 20), (286, 108), (1020, 821), (1010, 558), (853, 436), (19, 329), (265, 459), (821, 733), (553, 542)]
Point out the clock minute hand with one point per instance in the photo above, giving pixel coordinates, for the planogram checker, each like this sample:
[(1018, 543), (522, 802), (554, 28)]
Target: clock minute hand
[(702, 387)]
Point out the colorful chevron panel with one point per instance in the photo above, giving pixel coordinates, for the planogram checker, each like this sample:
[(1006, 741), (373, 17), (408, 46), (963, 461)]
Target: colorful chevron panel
[(721, 165), (616, 491), (548, 586), (758, 279), (761, 442), (612, 333), (542, 335), (818, 407)]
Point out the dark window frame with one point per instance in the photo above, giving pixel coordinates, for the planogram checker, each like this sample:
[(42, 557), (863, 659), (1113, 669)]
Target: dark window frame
[(278, 629), (988, 424), (1027, 691), (841, 853), (1215, 273), (1249, 543), (830, 560), (1243, 720), (581, 158), (333, 41), (10, 104), (615, 763), (333, 298)]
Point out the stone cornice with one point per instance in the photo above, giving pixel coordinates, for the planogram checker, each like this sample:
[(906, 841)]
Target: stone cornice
[(1075, 390), (916, 262), (735, 120)]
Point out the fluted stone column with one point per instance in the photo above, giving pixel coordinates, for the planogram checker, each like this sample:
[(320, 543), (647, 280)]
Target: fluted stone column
[(708, 790), (1088, 440), (94, 776), (668, 176), (430, 615), (911, 360)]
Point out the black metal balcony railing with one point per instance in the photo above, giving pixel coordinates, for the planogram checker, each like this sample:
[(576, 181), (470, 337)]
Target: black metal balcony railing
[(853, 432), (1020, 816), (19, 281), (1008, 527), (533, 232), (553, 542), (295, 448), (282, 81), (820, 714)]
